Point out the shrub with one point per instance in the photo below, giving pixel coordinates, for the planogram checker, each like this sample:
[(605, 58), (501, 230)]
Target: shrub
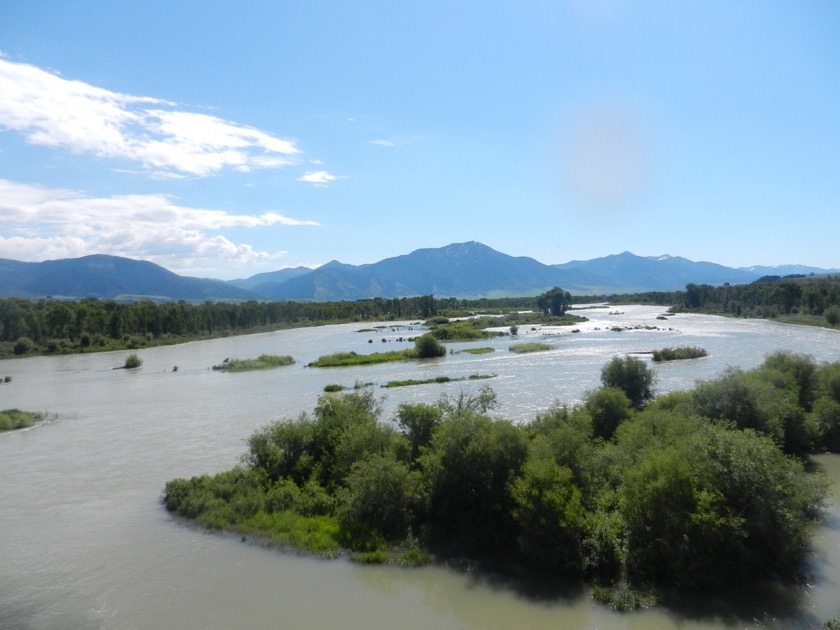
[(429, 347), (15, 419), (132, 361), (24, 345)]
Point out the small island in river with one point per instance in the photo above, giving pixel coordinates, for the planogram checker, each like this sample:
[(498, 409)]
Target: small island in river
[(631, 493)]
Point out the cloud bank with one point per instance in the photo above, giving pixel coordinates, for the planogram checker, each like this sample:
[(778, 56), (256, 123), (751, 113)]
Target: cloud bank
[(52, 111), (39, 223)]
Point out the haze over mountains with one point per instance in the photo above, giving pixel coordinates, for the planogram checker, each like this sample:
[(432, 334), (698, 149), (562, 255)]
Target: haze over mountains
[(464, 270)]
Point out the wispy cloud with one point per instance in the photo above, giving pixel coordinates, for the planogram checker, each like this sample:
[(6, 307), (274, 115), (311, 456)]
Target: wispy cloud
[(383, 143), (52, 111), (318, 177), (46, 223)]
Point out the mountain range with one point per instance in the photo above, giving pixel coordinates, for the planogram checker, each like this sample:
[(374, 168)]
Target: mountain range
[(465, 270)]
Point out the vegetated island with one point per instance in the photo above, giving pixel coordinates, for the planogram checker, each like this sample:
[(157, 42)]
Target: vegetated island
[(524, 348), (438, 379), (11, 419), (679, 354), (635, 495), (425, 347), (262, 362)]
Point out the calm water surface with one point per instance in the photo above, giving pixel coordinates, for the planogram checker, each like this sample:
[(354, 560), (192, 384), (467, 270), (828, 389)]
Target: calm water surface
[(85, 542)]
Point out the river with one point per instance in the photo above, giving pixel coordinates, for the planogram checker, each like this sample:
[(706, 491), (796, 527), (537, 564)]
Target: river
[(86, 543)]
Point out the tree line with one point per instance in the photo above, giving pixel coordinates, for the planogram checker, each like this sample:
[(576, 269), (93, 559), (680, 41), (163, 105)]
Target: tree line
[(816, 297), (62, 326), (700, 489)]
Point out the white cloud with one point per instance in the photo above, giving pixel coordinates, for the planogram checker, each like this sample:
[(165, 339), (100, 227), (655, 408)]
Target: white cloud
[(383, 143), (318, 177), (52, 111), (46, 223)]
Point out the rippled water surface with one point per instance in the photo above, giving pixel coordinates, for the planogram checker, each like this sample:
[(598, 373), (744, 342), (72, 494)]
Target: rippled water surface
[(85, 542)]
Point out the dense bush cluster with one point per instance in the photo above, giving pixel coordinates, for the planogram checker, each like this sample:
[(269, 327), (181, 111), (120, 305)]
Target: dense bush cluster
[(698, 489)]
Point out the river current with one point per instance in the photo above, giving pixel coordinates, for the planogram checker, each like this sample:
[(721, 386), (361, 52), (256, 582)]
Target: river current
[(86, 543)]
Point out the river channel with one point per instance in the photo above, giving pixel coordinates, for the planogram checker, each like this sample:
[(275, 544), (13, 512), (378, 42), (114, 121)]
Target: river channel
[(85, 542)]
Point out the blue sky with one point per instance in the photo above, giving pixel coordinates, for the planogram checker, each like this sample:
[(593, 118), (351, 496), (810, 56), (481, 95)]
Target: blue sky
[(224, 139)]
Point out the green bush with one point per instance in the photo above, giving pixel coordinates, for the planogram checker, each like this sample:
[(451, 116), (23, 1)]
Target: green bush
[(132, 361), (12, 419), (24, 345), (429, 347)]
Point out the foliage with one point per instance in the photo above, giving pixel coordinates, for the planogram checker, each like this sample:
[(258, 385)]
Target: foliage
[(522, 348), (47, 326), (608, 407), (429, 347), (550, 514), (676, 354), (692, 490), (437, 379), (554, 302), (379, 500), (478, 350), (343, 359), (11, 419), (263, 362), (132, 361), (632, 376)]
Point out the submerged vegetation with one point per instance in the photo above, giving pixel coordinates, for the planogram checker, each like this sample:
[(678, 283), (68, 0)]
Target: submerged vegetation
[(263, 362), (699, 489), (437, 379), (11, 419), (523, 348)]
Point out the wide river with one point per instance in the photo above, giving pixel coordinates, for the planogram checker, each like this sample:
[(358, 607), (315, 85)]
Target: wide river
[(86, 543)]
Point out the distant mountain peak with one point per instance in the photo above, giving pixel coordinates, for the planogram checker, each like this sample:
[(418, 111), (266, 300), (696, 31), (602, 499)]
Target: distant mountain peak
[(464, 270)]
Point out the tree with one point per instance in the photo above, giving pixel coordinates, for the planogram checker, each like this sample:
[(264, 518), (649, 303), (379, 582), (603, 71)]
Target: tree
[(378, 501), (552, 520), (468, 469), (554, 302), (632, 376), (418, 422), (609, 407)]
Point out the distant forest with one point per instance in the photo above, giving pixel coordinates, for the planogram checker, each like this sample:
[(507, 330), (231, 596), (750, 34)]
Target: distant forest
[(806, 297), (92, 325), (49, 326)]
